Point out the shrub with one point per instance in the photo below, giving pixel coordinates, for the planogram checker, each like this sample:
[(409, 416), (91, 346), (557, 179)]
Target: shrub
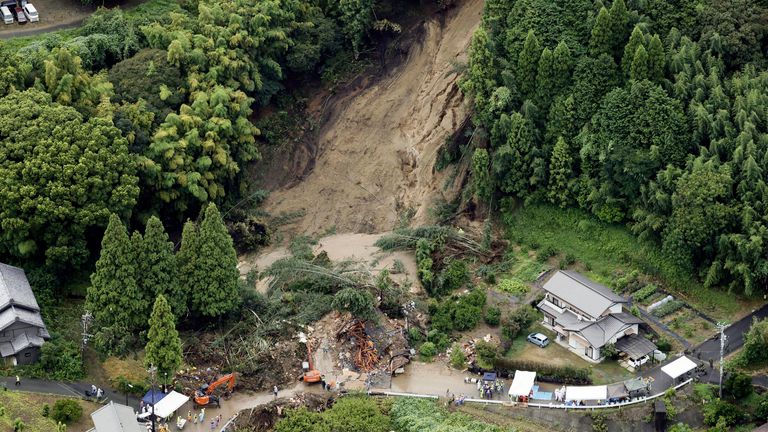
[(644, 293), (546, 253), (738, 385), (358, 302), (609, 351), (414, 335), (438, 338), (486, 354), (720, 411), (668, 308), (634, 310), (18, 425), (492, 316), (524, 316), (761, 411), (513, 286), (455, 275), (46, 410), (458, 359), (544, 372), (755, 349), (664, 345), (427, 351), (487, 273), (598, 422), (66, 411), (61, 360)]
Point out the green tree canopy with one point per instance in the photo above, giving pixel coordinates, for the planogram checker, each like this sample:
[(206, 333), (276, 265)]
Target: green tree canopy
[(163, 349), (214, 277), (60, 178), (158, 269), (118, 308)]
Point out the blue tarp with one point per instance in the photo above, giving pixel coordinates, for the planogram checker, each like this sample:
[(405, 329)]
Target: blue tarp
[(489, 376), (158, 396)]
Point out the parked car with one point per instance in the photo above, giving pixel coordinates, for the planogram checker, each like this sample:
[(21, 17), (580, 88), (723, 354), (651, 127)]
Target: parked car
[(538, 339), (20, 17), (6, 13), (31, 13)]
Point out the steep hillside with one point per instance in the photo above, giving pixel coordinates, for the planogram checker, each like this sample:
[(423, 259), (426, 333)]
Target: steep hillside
[(376, 152)]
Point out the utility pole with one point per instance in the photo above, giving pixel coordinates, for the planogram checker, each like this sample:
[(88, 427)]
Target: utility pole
[(86, 320), (721, 326), (153, 372)]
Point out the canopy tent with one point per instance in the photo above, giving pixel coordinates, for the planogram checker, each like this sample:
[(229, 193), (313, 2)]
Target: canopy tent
[(170, 403), (635, 346), (679, 367), (580, 393), (522, 384), (153, 396), (489, 376)]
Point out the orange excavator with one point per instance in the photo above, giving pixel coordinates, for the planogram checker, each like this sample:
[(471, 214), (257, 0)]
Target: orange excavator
[(311, 375), (204, 395)]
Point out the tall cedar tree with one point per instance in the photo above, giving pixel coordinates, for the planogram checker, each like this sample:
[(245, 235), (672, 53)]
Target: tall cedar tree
[(163, 344), (600, 41), (513, 160), (186, 260), (656, 59), (481, 178), (113, 298), (563, 64), (560, 174), (619, 17), (639, 69), (636, 40), (545, 79), (214, 284), (158, 267), (527, 63)]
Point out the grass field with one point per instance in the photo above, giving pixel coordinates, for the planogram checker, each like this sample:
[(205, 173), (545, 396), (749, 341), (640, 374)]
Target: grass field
[(29, 407), (606, 249)]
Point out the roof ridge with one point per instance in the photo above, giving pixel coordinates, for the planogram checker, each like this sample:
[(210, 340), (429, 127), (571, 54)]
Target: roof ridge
[(572, 275)]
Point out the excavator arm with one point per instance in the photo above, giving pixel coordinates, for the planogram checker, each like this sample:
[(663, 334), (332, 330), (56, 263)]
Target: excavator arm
[(229, 379)]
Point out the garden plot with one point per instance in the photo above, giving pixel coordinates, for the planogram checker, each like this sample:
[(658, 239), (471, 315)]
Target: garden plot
[(690, 325)]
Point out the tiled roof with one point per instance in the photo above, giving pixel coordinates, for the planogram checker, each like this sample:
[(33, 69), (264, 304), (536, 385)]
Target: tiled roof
[(584, 294), (15, 289)]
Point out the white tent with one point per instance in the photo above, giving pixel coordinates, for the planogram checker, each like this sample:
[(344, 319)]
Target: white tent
[(581, 393), (679, 367), (522, 384), (170, 403)]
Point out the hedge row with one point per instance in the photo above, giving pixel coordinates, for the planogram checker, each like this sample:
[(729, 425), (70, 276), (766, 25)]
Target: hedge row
[(544, 372)]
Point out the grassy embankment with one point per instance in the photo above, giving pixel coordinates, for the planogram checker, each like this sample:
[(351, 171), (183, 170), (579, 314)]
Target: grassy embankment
[(29, 408)]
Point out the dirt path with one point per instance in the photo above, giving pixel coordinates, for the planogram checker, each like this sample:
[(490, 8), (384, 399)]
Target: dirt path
[(377, 151)]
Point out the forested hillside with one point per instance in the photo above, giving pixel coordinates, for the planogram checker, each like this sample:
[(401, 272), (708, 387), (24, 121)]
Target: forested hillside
[(650, 113), (153, 113)]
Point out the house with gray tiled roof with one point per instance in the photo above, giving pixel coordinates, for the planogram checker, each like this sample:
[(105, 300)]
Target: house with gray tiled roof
[(22, 331), (115, 418), (584, 314)]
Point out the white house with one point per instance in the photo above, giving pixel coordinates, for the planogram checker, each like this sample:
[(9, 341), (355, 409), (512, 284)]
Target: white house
[(585, 314)]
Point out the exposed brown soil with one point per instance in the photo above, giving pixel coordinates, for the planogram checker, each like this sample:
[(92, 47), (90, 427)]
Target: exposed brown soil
[(264, 417), (373, 158)]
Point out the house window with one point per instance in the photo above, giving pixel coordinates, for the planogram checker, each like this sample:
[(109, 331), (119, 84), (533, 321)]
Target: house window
[(555, 301)]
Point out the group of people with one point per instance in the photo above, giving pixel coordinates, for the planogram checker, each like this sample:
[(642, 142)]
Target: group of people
[(96, 392), (486, 389), (456, 401)]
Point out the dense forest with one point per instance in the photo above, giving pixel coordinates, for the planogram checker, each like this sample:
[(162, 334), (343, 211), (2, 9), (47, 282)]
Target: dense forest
[(649, 113), (154, 114)]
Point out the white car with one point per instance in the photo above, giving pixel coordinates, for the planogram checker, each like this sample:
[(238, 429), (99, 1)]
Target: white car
[(31, 13), (6, 13)]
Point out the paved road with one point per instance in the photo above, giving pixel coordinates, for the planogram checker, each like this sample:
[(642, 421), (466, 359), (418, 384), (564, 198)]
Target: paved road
[(74, 389), (710, 349)]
